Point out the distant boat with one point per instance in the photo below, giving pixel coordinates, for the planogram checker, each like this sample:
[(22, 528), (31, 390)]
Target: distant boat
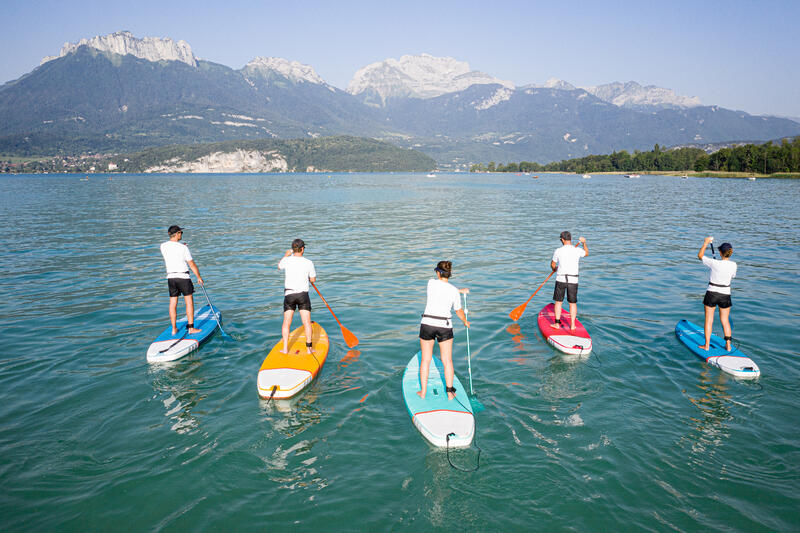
[(632, 176), (587, 176), (536, 177), (684, 177), (431, 175), (752, 178)]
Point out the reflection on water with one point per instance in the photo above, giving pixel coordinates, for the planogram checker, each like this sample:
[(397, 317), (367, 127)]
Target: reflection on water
[(710, 428), (179, 385)]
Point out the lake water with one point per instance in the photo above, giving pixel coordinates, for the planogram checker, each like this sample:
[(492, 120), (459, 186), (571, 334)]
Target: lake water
[(639, 436)]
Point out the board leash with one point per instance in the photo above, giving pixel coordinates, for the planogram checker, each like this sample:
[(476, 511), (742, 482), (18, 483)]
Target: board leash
[(177, 341), (447, 443)]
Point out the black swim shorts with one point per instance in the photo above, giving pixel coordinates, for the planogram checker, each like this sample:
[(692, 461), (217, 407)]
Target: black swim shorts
[(714, 299), (178, 286), (428, 333), (297, 300), (571, 290)]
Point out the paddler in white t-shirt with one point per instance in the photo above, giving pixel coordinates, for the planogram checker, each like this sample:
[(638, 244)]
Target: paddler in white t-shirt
[(718, 292), (436, 324), (299, 271), (178, 261), (565, 261)]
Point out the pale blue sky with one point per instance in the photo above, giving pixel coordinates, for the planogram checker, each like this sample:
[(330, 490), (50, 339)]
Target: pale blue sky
[(737, 54)]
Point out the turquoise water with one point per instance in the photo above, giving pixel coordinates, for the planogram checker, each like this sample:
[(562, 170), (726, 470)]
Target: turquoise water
[(640, 436)]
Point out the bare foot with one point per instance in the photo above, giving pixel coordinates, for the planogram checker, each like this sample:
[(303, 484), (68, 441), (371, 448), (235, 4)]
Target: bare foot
[(728, 346), (556, 325), (193, 330), (174, 331), (573, 327), (706, 348), (450, 396), (419, 393)]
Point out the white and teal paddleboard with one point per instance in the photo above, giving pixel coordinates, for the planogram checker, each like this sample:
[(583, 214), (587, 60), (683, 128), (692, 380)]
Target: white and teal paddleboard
[(169, 347), (436, 417)]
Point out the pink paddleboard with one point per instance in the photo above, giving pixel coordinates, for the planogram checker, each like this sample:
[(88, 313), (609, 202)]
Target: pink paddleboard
[(570, 341)]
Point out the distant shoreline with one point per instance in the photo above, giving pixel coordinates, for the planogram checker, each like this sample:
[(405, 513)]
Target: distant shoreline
[(672, 173)]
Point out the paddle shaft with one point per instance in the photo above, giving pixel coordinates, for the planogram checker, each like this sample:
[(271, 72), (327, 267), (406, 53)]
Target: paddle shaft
[(469, 359), (213, 311), (350, 339)]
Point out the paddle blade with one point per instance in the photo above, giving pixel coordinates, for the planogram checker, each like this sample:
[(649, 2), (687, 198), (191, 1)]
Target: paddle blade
[(476, 404), (349, 339), (517, 311)]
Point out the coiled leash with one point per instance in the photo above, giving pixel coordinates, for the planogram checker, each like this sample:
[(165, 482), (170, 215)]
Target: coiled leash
[(447, 442)]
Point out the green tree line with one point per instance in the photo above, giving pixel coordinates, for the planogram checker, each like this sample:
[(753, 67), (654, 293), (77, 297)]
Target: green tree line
[(768, 158)]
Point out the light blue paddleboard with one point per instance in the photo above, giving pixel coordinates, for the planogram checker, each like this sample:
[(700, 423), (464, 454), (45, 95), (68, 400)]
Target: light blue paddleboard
[(436, 417), (734, 362), (169, 347)]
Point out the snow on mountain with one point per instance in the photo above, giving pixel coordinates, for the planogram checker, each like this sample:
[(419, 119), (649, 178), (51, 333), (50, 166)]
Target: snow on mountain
[(293, 70), (422, 76), (632, 94), (500, 95), (553, 83), (123, 42)]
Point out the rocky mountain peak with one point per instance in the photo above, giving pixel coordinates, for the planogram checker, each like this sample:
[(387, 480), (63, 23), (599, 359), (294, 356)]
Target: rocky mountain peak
[(632, 94), (123, 43), (418, 76), (293, 70)]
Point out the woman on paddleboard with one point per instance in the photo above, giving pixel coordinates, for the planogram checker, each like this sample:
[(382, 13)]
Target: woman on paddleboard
[(718, 293), (436, 325)]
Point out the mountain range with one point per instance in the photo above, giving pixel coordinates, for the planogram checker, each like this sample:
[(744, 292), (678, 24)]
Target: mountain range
[(118, 93)]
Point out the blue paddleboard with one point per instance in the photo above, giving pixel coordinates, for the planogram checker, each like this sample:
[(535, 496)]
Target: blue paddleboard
[(436, 417), (734, 362), (169, 347)]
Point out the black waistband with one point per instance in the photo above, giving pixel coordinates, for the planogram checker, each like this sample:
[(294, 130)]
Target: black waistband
[(446, 318), (178, 272), (718, 285)]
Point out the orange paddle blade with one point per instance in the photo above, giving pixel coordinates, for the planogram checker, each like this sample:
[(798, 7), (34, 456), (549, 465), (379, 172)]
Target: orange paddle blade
[(349, 339), (517, 311)]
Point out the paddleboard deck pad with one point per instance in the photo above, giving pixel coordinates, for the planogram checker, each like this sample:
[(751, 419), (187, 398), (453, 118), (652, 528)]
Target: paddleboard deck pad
[(283, 375), (169, 347), (436, 417), (734, 362), (569, 341)]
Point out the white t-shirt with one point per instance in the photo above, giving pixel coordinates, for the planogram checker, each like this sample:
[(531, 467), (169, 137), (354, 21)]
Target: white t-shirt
[(442, 296), (722, 272), (176, 257), (298, 270), (567, 258)]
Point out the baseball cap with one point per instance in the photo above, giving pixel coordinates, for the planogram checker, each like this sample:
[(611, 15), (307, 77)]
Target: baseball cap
[(174, 229)]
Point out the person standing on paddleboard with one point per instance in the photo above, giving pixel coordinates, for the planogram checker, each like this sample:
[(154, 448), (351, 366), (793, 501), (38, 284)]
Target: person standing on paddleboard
[(718, 293), (299, 271), (436, 325), (565, 261), (178, 261)]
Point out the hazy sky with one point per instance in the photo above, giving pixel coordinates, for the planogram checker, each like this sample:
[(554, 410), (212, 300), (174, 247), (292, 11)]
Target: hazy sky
[(734, 53)]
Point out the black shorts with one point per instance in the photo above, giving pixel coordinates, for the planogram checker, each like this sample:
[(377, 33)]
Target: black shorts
[(571, 290), (178, 286), (298, 300), (429, 333), (714, 299)]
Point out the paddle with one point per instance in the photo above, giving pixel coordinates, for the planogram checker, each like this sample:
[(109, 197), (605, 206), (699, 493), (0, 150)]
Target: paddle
[(517, 311), (477, 406), (349, 339), (224, 335)]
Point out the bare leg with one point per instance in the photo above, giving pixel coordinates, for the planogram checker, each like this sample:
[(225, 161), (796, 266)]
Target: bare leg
[(426, 347), (190, 312), (305, 316), (446, 352), (287, 321), (724, 317), (173, 312), (573, 314), (558, 314), (709, 323)]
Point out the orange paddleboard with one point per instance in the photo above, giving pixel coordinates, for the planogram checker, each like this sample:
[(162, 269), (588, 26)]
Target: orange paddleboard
[(284, 375)]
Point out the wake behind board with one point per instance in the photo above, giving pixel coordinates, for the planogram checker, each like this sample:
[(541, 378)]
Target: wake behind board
[(169, 347), (734, 362), (569, 341), (283, 375), (436, 417)]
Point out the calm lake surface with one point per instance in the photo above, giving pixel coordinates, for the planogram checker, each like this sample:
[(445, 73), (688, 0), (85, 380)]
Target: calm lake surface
[(639, 436)]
